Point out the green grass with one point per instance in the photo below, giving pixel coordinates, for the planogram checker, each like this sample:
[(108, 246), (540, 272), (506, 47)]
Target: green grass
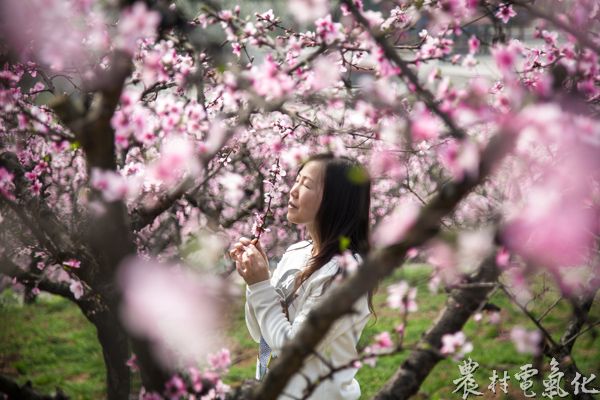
[(51, 344)]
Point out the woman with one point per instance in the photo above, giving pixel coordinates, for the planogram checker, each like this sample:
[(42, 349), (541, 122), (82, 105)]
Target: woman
[(331, 197)]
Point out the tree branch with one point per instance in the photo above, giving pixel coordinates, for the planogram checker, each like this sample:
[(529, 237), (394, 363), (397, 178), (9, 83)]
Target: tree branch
[(25, 392), (461, 304), (391, 53)]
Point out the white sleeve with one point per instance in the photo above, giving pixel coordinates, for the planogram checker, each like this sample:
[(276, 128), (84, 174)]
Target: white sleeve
[(251, 322), (275, 327)]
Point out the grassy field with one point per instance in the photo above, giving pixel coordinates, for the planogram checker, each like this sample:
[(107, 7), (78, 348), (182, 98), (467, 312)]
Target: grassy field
[(51, 344)]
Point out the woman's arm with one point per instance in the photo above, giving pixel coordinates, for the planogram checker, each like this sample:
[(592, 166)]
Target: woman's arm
[(274, 326)]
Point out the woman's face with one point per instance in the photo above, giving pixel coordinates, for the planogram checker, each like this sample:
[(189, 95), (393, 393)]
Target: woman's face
[(306, 194)]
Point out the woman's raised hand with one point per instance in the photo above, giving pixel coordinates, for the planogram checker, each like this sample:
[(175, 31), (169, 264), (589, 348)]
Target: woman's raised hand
[(250, 260)]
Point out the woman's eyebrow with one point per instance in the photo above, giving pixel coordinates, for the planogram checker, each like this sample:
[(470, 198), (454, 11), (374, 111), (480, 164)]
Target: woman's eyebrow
[(306, 177)]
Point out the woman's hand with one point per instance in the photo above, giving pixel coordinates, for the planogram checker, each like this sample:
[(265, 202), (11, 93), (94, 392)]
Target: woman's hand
[(251, 261)]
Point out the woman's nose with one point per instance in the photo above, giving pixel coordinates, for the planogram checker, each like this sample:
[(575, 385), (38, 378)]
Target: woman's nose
[(294, 191)]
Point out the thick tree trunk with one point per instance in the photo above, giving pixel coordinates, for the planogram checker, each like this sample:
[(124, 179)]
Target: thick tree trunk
[(462, 303), (115, 349)]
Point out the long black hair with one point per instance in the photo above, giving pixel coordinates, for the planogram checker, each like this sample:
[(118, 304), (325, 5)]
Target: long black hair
[(342, 221)]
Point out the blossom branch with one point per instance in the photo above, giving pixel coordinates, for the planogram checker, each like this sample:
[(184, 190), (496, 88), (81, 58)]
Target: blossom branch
[(391, 54)]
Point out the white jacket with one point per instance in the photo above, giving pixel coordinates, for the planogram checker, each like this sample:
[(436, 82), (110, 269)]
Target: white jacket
[(265, 316)]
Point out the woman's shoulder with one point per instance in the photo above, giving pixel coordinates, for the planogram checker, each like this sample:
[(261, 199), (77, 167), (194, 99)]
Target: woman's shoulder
[(302, 245)]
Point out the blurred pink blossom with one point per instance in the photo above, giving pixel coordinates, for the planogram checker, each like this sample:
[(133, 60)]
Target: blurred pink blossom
[(220, 361), (305, 11), (177, 159), (383, 341), (394, 227), (474, 44), (111, 184), (328, 30), (456, 344), (424, 126), (73, 263), (387, 163), (528, 342), (6, 183), (137, 22), (402, 297), (175, 388), (460, 158), (76, 288), (269, 81), (172, 307)]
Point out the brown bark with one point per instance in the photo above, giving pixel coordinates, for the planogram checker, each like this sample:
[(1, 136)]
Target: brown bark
[(462, 303)]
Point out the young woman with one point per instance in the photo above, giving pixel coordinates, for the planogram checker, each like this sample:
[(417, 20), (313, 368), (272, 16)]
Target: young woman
[(331, 197)]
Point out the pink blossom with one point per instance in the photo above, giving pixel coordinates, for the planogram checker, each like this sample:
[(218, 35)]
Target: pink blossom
[(233, 185), (474, 44), (424, 126), (502, 257), (505, 12), (528, 342), (324, 74), (268, 81), (347, 262), (444, 258), (76, 288), (460, 159), (169, 305), (402, 297), (177, 158), (329, 31), (137, 22), (132, 363), (399, 329), (220, 361), (387, 163), (305, 11), (6, 183), (196, 379), (175, 388), (456, 344), (394, 227), (494, 317), (72, 263), (383, 341), (505, 57), (385, 66), (111, 184)]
